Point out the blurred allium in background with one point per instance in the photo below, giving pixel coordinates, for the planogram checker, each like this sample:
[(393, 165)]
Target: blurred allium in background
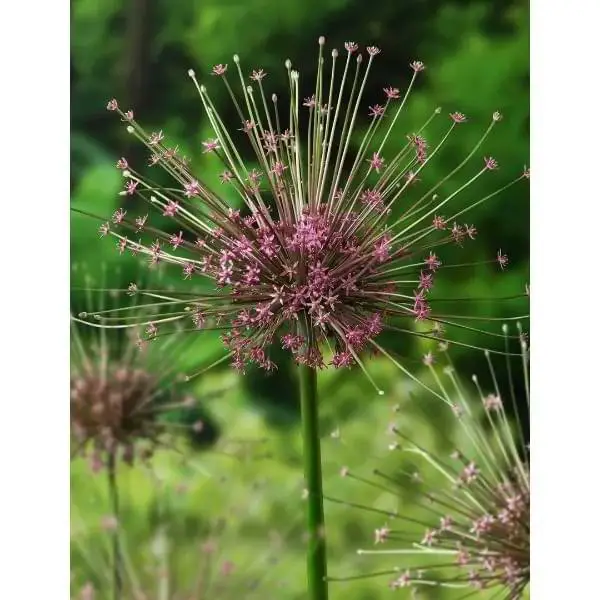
[(473, 530), (122, 389), (300, 248)]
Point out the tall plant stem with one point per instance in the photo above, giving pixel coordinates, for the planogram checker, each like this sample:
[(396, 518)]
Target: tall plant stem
[(316, 557), (117, 563)]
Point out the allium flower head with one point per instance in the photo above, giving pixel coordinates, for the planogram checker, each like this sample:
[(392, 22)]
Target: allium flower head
[(122, 387), (473, 530), (308, 256)]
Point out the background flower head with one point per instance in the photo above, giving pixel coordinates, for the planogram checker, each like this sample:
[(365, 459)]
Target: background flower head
[(126, 395)]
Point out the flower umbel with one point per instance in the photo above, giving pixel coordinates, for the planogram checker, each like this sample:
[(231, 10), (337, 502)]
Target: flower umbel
[(121, 389), (308, 255), (473, 532)]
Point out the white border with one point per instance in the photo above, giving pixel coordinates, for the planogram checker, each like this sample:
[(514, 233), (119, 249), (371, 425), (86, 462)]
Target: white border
[(565, 436), (34, 520), (34, 292)]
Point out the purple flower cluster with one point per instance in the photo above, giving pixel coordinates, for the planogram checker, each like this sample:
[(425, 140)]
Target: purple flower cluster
[(307, 254)]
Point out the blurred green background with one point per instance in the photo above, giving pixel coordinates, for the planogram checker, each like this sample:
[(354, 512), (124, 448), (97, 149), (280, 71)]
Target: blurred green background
[(139, 51)]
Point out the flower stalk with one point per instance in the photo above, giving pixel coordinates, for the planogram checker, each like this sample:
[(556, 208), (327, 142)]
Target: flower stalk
[(317, 551), (117, 562)]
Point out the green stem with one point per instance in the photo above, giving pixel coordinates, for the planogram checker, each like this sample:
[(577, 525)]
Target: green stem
[(316, 558), (113, 493)]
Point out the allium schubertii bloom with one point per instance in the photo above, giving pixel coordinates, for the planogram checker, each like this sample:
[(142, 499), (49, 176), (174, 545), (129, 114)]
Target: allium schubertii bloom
[(473, 531), (309, 256)]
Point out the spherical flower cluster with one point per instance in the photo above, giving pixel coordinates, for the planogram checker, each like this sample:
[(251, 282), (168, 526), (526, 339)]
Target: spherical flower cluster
[(309, 250), (121, 390), (113, 409)]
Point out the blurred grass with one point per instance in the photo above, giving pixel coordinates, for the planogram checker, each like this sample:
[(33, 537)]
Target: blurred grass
[(253, 480)]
